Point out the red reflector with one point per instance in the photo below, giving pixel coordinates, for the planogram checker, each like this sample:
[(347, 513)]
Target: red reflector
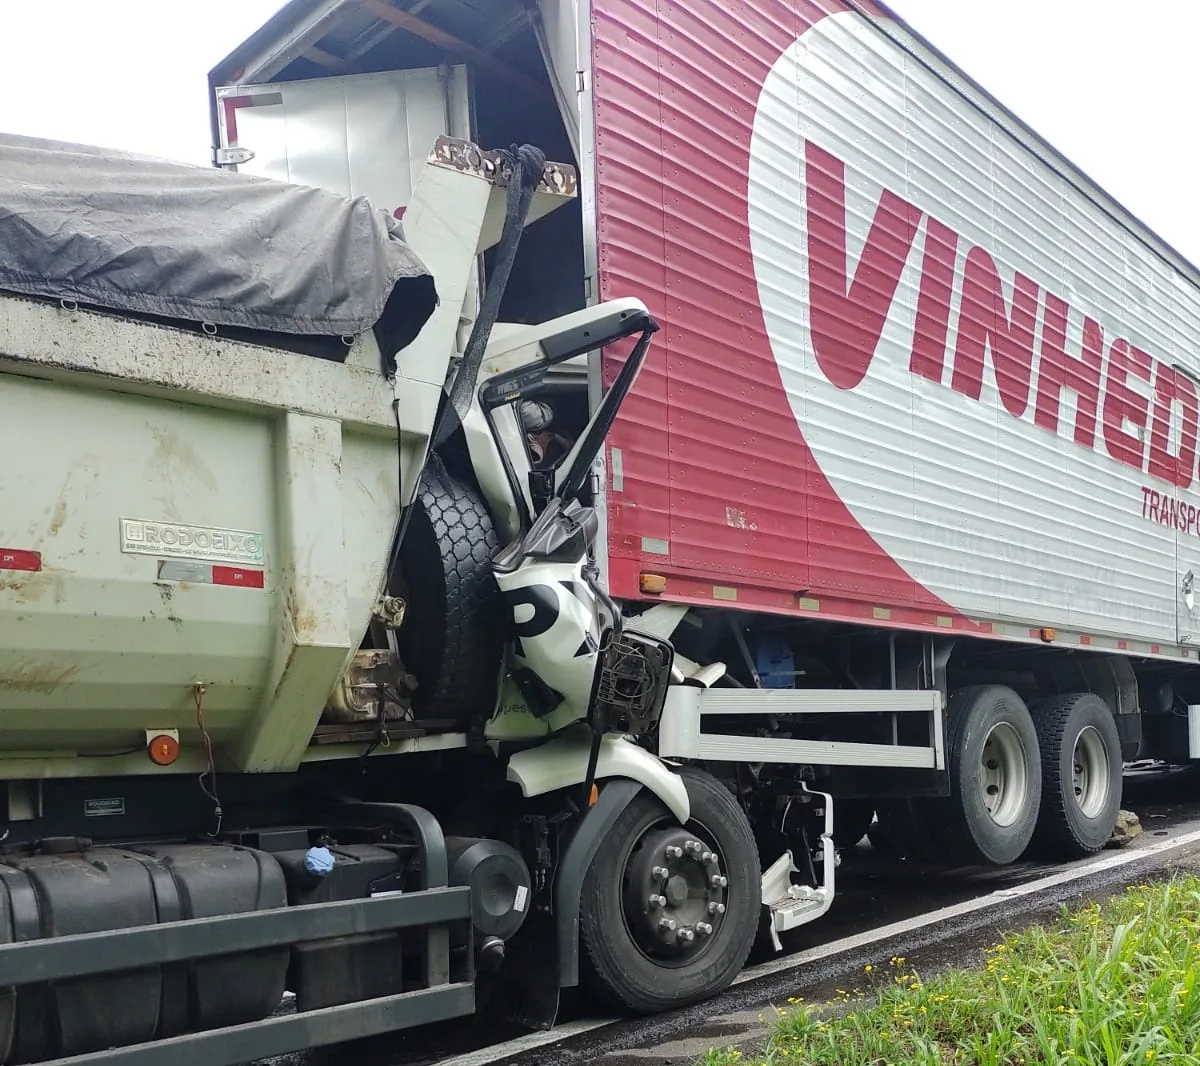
[(19, 559), (232, 575)]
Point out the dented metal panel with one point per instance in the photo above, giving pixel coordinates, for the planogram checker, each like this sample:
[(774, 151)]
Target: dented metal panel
[(917, 368), (367, 135), (112, 640)]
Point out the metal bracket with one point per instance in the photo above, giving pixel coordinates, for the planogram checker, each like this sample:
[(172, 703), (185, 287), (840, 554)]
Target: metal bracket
[(390, 611), (231, 157), (434, 874), (789, 906)]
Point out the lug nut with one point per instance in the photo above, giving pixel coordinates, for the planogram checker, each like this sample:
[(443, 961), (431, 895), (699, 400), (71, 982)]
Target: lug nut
[(687, 935), (704, 929), (693, 846), (710, 857), (718, 880), (716, 908), (667, 925), (674, 851), (660, 872), (657, 901)]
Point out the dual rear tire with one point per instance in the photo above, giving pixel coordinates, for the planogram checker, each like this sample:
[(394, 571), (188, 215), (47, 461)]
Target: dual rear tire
[(1081, 773), (1045, 779)]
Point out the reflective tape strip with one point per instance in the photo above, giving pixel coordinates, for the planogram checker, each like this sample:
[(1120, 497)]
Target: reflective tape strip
[(207, 574), (20, 559)]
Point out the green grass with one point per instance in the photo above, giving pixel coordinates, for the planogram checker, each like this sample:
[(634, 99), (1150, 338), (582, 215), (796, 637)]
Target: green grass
[(1112, 983)]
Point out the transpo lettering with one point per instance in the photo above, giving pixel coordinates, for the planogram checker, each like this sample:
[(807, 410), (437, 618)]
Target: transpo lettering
[(1168, 511)]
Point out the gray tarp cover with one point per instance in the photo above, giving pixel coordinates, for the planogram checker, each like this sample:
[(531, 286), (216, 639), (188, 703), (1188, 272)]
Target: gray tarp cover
[(148, 236)]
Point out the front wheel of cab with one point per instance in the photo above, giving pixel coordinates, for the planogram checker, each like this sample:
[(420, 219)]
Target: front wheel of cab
[(668, 913)]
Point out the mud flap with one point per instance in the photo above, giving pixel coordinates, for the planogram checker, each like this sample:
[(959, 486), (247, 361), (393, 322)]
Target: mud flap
[(525, 990)]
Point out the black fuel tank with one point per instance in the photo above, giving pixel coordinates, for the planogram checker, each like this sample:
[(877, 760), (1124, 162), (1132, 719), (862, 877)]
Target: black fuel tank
[(103, 889)]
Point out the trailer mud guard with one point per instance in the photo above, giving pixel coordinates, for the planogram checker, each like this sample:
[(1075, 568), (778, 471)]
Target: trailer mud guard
[(615, 796)]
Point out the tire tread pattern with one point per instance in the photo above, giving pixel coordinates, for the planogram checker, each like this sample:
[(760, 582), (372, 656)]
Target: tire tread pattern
[(1054, 834), (601, 969), (946, 822), (455, 645)]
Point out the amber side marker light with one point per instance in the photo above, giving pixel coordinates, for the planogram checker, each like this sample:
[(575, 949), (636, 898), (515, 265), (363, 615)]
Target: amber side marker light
[(593, 796), (652, 584), (163, 749), (1049, 634)]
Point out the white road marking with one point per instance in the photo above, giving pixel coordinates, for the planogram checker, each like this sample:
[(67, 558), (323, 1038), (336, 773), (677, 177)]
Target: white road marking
[(1076, 872), (529, 1042), (1179, 838)]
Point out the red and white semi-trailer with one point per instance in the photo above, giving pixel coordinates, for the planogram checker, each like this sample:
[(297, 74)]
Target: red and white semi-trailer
[(538, 607)]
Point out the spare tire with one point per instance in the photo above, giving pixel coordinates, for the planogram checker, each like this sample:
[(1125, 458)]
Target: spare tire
[(452, 638)]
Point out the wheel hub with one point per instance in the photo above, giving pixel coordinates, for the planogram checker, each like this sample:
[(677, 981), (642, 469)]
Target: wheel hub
[(677, 891), (1003, 774), (674, 893), (1089, 772)]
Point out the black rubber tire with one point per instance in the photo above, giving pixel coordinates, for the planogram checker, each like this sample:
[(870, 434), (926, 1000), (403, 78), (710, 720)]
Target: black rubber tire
[(851, 820), (613, 967), (452, 638), (961, 823), (1063, 830), (902, 831)]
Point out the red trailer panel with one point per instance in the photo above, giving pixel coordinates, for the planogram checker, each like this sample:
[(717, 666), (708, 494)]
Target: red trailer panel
[(728, 497)]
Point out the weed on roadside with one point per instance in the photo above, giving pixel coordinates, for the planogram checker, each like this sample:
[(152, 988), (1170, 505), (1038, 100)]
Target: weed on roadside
[(1112, 984)]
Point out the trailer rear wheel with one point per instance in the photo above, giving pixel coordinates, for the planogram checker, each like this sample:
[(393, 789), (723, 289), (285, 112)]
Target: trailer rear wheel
[(669, 913), (995, 776), (1081, 774), (452, 636)]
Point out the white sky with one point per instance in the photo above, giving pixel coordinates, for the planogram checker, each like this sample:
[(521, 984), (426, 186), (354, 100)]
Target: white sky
[(1115, 94)]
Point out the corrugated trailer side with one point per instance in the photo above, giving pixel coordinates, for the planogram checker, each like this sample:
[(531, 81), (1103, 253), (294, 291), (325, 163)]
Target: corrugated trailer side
[(920, 372)]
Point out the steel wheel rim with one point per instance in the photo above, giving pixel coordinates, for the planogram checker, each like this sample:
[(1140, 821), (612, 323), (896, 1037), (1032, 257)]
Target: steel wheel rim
[(1089, 772), (697, 907), (1003, 775)]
